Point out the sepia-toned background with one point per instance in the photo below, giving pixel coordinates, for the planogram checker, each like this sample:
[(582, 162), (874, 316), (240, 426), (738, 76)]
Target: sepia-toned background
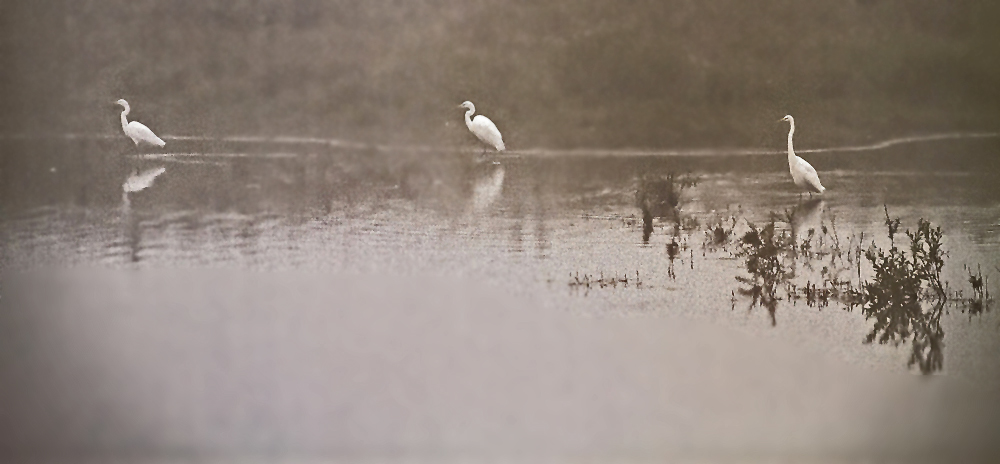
[(559, 74), (324, 264)]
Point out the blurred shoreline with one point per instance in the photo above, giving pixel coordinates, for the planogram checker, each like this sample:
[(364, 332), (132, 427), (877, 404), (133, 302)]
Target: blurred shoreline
[(561, 74)]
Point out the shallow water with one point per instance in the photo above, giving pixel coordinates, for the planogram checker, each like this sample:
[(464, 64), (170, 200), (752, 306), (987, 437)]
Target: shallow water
[(532, 226), (525, 222)]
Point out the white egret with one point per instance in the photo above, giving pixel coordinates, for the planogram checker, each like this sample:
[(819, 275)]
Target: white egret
[(803, 174), (136, 131), (482, 127)]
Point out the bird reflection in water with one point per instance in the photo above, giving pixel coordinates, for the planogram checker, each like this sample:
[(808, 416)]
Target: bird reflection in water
[(806, 216), (135, 182), (806, 223), (487, 188), (782, 256)]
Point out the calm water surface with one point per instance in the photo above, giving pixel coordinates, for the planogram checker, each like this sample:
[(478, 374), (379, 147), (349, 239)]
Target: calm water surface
[(289, 299), (535, 225)]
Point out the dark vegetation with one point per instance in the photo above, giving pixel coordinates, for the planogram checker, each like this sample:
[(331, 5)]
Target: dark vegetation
[(659, 197), (980, 301), (903, 292), (589, 281), (906, 297), (764, 251), (899, 288)]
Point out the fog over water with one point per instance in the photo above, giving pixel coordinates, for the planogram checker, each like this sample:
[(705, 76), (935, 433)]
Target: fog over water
[(562, 74), (322, 263)]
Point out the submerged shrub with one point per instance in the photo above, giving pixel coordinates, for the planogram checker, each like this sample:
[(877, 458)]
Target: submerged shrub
[(763, 250), (980, 301), (905, 296), (660, 197)]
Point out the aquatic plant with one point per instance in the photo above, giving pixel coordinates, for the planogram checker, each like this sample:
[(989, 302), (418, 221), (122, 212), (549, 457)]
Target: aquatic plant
[(720, 231), (589, 281), (904, 293), (905, 296), (813, 268), (673, 250), (659, 197), (980, 301), (892, 224), (763, 250)]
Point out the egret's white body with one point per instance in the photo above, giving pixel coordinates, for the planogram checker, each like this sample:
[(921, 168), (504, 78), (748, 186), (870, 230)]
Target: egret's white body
[(136, 131), (482, 127), (803, 174)]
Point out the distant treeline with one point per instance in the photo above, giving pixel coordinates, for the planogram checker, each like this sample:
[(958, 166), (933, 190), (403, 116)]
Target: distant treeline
[(554, 73)]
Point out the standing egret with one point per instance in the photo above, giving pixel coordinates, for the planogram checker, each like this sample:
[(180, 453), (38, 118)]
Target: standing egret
[(482, 127), (803, 173), (136, 131)]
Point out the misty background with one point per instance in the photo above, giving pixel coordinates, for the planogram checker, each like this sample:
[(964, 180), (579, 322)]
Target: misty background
[(401, 297), (554, 74)]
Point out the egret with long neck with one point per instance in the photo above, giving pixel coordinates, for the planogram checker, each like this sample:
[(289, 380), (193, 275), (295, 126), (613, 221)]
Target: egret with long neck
[(136, 131), (482, 127), (803, 174)]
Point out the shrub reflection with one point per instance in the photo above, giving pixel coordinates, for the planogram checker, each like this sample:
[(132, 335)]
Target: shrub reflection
[(904, 293)]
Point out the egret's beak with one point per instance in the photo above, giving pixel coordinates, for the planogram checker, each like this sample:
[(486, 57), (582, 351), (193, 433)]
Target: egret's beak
[(460, 106)]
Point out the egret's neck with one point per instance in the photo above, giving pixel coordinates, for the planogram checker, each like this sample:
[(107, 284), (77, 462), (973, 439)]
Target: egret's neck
[(791, 131), (125, 121), (468, 116)]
